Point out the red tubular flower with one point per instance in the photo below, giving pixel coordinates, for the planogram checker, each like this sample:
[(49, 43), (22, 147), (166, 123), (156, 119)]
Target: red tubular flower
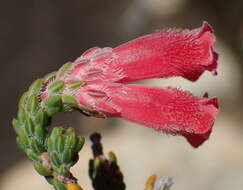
[(162, 54)]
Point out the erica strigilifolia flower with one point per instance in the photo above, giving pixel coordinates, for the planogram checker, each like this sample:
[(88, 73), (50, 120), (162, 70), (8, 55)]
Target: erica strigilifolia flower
[(104, 71)]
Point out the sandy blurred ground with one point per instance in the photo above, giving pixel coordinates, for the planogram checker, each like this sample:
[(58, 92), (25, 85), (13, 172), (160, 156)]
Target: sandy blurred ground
[(217, 165)]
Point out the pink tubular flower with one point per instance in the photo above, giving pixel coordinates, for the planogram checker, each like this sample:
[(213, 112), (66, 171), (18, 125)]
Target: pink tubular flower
[(186, 53)]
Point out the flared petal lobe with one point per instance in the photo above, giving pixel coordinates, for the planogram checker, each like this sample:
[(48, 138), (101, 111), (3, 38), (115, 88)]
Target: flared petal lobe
[(186, 53), (169, 53), (165, 109)]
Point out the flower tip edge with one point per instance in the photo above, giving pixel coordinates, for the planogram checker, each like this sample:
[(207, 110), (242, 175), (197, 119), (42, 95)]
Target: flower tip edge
[(210, 101), (196, 140), (206, 27)]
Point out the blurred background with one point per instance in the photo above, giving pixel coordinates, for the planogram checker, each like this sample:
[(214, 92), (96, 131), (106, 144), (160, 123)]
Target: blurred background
[(37, 37)]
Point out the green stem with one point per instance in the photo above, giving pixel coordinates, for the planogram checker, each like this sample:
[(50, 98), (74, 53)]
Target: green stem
[(55, 151)]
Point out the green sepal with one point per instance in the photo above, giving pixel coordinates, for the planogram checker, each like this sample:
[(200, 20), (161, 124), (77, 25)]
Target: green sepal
[(63, 170), (60, 143), (22, 116), (32, 156), (70, 138), (67, 156), (23, 137), (40, 134), (58, 185), (79, 144), (75, 84), (49, 77), (33, 104), (36, 146), (42, 170), (56, 131), (56, 86), (50, 145), (29, 127), (69, 100), (53, 101), (23, 99), (64, 69), (52, 140), (55, 158), (33, 118), (52, 110), (53, 105), (20, 144), (41, 119), (36, 86)]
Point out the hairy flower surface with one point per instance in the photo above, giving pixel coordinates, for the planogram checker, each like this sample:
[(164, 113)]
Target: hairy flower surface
[(185, 53)]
